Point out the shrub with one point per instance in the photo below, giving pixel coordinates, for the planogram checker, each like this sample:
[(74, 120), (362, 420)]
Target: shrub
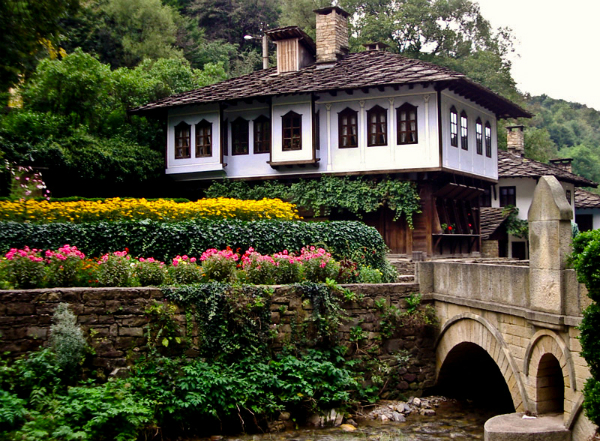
[(367, 274), (114, 269), (25, 267), (218, 265), (64, 266), (318, 265), (259, 269), (67, 341), (164, 241), (184, 271), (149, 272), (137, 209)]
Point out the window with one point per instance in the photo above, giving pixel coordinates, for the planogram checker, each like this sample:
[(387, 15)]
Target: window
[(182, 140), (225, 137), (292, 131), (407, 124), (488, 139), (203, 139), (479, 136), (453, 127), (239, 137), (262, 134), (508, 196), (464, 131), (485, 200), (377, 126), (568, 195), (348, 128)]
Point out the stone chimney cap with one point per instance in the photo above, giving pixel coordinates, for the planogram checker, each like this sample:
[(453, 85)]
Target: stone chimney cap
[(518, 126), (376, 46), (325, 11)]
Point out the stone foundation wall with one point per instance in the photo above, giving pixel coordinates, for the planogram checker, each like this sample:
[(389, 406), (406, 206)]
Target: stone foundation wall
[(115, 322)]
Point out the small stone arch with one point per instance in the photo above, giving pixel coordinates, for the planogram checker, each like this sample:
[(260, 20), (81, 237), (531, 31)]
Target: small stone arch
[(547, 348), (475, 329)]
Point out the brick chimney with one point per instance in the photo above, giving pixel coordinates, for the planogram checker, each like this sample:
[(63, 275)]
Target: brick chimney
[(564, 163), (515, 140), (332, 34)]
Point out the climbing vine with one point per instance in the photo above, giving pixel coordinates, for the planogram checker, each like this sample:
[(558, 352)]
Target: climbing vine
[(356, 195)]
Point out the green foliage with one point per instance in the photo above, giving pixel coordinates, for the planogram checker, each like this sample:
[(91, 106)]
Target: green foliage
[(28, 27), (331, 193), (12, 411), (515, 226), (67, 341), (150, 273), (232, 320), (114, 271), (164, 241), (163, 330), (586, 261)]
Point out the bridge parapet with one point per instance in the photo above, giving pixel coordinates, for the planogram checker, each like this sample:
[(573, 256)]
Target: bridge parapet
[(524, 317)]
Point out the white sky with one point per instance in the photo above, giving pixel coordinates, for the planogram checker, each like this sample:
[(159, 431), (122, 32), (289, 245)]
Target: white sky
[(558, 43)]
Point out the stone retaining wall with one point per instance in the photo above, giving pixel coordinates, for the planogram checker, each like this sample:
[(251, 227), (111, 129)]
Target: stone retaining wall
[(115, 321)]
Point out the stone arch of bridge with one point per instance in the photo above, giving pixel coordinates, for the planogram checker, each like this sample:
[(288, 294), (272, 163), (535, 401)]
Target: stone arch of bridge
[(544, 346), (471, 328)]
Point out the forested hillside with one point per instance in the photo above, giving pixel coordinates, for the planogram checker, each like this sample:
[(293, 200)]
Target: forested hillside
[(74, 67)]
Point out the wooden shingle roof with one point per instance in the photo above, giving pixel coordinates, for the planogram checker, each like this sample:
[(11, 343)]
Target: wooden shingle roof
[(490, 220), (586, 199), (513, 166), (356, 71)]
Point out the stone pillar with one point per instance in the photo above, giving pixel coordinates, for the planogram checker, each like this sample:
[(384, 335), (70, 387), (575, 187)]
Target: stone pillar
[(549, 244)]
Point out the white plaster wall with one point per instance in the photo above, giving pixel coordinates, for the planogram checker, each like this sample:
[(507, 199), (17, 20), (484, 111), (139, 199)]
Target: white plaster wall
[(192, 116), (595, 212), (302, 106), (424, 154), (524, 188), (455, 158), (252, 164)]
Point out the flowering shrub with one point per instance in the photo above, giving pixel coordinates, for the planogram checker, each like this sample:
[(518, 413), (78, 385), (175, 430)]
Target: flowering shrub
[(218, 265), (289, 268), (25, 267), (138, 209), (149, 271), (64, 266), (115, 269), (259, 269), (318, 264), (67, 266), (184, 271), (26, 183)]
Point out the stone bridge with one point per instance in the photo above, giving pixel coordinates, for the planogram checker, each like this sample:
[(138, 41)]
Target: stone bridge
[(518, 325)]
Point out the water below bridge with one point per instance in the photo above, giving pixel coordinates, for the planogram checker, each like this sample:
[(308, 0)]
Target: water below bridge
[(454, 420)]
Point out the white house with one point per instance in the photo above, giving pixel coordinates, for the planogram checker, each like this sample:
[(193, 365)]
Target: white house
[(517, 178), (325, 111)]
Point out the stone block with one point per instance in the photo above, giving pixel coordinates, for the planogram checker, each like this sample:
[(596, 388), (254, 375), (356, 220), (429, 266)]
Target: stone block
[(19, 309), (131, 332)]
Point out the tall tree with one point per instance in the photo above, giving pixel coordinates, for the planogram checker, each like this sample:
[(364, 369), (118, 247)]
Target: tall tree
[(27, 27)]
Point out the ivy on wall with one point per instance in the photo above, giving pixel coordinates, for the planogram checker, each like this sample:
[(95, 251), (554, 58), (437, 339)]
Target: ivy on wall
[(357, 195)]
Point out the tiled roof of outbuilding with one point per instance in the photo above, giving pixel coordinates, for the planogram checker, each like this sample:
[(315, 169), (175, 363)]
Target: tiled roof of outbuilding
[(586, 199), (513, 166), (356, 71), (490, 219)]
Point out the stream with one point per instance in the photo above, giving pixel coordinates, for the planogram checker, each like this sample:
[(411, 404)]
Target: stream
[(454, 420)]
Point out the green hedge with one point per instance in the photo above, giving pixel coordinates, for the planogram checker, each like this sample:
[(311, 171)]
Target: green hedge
[(344, 239)]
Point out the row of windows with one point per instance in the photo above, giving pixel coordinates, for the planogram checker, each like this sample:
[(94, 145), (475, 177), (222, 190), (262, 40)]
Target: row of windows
[(292, 132), (292, 136), (406, 122), (464, 133), (508, 196)]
